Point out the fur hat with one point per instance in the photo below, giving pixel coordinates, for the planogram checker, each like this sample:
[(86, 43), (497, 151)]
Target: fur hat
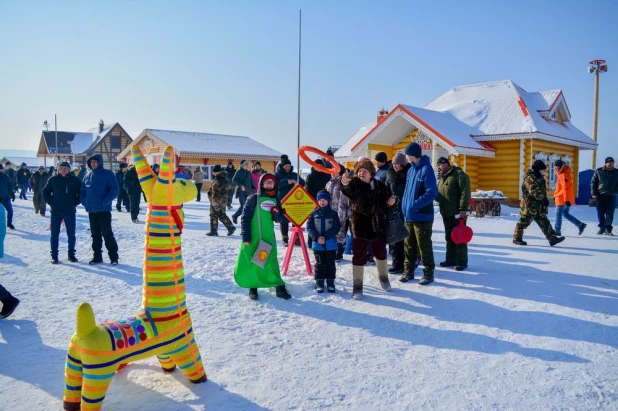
[(538, 165), (558, 163), (367, 165), (400, 159), (414, 150), (381, 157), (323, 194), (216, 168)]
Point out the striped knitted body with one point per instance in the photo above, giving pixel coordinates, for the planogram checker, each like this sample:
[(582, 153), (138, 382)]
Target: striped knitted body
[(163, 327)]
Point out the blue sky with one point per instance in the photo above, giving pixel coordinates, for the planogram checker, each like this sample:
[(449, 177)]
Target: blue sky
[(232, 67)]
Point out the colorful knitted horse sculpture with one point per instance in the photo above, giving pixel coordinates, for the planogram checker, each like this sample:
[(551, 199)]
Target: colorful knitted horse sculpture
[(163, 327)]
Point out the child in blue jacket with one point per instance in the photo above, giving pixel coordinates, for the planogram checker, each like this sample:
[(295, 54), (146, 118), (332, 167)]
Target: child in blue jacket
[(323, 225)]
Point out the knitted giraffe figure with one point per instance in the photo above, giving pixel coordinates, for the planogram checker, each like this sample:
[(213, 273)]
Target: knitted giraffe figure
[(163, 326)]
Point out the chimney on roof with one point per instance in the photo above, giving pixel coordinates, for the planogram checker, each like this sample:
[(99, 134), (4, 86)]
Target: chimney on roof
[(101, 126), (382, 114)]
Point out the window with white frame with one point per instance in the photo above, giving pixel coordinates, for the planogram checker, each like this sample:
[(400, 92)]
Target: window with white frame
[(567, 160), (207, 170), (552, 172)]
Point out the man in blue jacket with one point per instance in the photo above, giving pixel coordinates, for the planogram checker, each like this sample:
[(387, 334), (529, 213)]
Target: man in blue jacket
[(99, 189), (417, 206), (62, 194), (7, 195)]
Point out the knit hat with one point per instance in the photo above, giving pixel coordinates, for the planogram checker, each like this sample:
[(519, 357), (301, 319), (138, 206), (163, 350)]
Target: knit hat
[(24, 164), (381, 157), (609, 159), (400, 159), (414, 150), (538, 165), (558, 163), (216, 168), (285, 161), (443, 160), (123, 165), (267, 176), (41, 167), (329, 152), (230, 163), (323, 194), (255, 163), (319, 161), (64, 164), (243, 162), (8, 163), (367, 165)]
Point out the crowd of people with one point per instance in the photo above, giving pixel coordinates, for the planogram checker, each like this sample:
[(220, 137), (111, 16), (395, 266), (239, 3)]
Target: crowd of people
[(356, 201)]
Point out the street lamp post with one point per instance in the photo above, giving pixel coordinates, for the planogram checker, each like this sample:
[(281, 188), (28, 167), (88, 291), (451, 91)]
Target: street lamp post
[(597, 67), (56, 132)]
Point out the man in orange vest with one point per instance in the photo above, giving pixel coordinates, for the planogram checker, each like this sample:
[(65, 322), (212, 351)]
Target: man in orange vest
[(564, 196)]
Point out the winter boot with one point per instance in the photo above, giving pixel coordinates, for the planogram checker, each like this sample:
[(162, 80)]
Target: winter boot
[(212, 233), (447, 264), (340, 250), (285, 240), (357, 281), (407, 276), (319, 286), (72, 259), (555, 240), (97, 259), (582, 227), (383, 275), (601, 231), (9, 304), (282, 292), (519, 241), (427, 278), (330, 285), (609, 232), (230, 230), (395, 270), (54, 260), (253, 294)]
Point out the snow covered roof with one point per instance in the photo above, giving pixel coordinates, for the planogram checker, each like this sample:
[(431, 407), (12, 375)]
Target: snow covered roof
[(207, 144), (31, 162), (344, 153), (83, 141), (503, 108)]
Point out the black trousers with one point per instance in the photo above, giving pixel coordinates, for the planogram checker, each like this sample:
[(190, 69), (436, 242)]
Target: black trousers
[(123, 198), (134, 200), (606, 205), (324, 267), (397, 251), (199, 191), (69, 223), (101, 229)]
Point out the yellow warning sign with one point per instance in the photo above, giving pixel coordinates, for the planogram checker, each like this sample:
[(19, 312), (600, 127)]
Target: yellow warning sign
[(298, 205)]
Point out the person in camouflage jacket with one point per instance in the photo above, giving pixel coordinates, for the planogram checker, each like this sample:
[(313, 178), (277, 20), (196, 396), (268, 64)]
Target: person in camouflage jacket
[(217, 194), (534, 205)]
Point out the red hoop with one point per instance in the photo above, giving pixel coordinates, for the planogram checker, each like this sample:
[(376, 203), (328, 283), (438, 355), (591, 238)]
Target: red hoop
[(336, 167)]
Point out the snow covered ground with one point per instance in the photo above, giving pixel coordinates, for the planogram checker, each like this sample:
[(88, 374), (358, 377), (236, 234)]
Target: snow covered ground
[(524, 328)]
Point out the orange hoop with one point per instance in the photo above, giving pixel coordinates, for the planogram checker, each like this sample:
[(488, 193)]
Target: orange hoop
[(336, 167)]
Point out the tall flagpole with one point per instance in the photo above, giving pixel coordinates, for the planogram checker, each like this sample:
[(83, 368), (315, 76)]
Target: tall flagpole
[(300, 25)]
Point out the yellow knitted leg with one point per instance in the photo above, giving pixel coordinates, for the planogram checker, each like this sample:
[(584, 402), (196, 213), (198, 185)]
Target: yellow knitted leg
[(189, 361), (95, 384), (72, 381), (166, 363)]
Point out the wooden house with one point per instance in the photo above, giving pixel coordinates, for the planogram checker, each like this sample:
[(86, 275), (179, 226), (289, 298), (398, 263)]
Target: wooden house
[(77, 147), (203, 150), (494, 131)]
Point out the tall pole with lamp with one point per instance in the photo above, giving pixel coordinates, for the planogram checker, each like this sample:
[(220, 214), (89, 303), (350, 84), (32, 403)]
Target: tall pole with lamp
[(56, 133), (597, 67)]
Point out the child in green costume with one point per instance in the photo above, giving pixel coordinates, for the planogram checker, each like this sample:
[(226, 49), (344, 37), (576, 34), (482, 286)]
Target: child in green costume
[(265, 206)]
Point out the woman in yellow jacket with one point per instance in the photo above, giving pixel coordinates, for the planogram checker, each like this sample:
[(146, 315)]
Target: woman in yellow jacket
[(564, 196)]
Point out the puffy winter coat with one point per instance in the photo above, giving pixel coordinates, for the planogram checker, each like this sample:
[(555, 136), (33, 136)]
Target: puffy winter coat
[(453, 192), (62, 193), (12, 176), (604, 182), (6, 189), (564, 187), (131, 182), (99, 188), (368, 204), (198, 177), (23, 175), (316, 181), (282, 177), (324, 222), (37, 181), (242, 178), (534, 194), (120, 175), (396, 182), (231, 171), (217, 194), (421, 190)]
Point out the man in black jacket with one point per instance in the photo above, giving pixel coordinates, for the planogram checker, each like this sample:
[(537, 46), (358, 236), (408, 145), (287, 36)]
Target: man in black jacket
[(10, 173), (123, 196), (134, 191), (242, 180), (37, 183), (62, 194), (23, 176), (604, 188), (230, 170)]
